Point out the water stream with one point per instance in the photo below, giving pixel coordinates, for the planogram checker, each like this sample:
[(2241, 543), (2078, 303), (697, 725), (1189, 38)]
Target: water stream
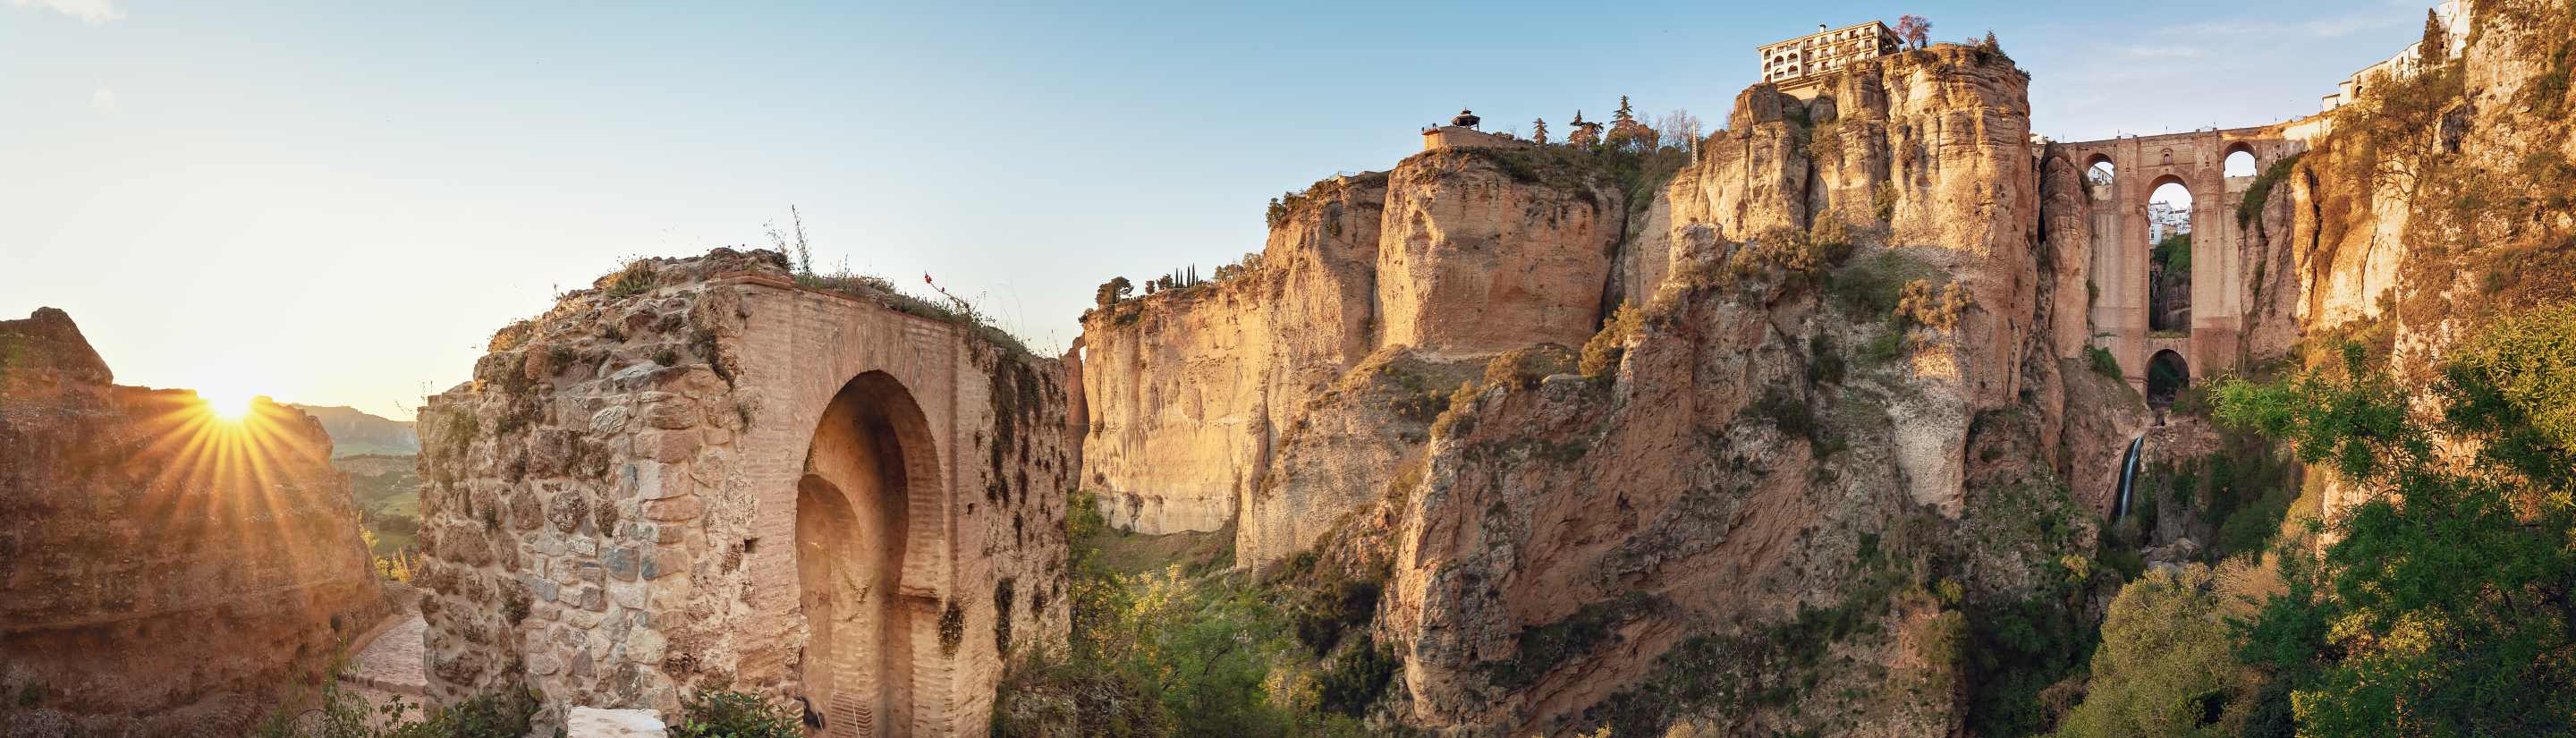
[(2128, 476)]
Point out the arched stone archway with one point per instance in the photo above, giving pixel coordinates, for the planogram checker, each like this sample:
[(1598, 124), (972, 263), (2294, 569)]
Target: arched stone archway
[(2232, 166), (2167, 376), (852, 531), (2169, 251)]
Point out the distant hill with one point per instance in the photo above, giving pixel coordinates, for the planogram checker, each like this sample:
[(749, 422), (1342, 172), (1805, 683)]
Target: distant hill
[(355, 432)]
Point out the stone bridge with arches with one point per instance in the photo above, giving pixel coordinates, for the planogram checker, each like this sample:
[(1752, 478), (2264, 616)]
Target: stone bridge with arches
[(2110, 218)]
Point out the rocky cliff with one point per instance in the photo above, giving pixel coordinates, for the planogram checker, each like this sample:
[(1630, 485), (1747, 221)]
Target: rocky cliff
[(166, 571), (1281, 397), (1845, 354), (2429, 209)]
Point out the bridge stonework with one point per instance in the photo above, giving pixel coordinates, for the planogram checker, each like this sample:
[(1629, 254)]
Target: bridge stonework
[(707, 476), (2110, 228)]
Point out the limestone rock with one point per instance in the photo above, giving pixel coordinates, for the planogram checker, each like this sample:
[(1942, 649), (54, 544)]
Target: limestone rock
[(592, 722), (119, 529)]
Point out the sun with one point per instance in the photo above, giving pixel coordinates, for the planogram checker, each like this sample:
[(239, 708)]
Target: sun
[(230, 405)]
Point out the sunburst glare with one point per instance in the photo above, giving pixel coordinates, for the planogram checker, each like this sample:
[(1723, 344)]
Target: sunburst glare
[(230, 405)]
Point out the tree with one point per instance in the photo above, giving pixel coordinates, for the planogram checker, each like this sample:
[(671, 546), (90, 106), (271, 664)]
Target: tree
[(1678, 129), (1538, 131), (1989, 43), (1112, 291), (2436, 48), (2166, 666), (1914, 29), (2446, 604), (1626, 132)]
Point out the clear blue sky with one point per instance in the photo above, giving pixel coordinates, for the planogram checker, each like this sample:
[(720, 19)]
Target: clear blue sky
[(337, 202)]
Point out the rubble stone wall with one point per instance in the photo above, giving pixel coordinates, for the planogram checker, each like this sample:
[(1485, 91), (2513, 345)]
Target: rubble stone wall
[(700, 475)]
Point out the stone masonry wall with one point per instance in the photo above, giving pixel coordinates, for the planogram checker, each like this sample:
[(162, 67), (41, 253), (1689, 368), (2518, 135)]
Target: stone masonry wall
[(612, 511)]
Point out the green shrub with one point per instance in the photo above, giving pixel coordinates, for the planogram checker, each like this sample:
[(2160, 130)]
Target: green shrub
[(636, 277), (1358, 678), (730, 714), (2260, 191), (1601, 354), (2103, 362), (331, 710)]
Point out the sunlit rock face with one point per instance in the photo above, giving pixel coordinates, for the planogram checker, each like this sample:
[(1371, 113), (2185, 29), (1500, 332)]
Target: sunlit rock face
[(702, 474), (163, 570)]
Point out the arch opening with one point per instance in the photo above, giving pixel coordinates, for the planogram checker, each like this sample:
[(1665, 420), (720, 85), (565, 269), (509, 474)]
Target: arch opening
[(2099, 174), (2241, 162), (852, 530), (2169, 225), (2167, 377)]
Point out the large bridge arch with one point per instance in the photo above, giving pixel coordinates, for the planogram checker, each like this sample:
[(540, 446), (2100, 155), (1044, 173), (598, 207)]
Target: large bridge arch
[(2118, 238)]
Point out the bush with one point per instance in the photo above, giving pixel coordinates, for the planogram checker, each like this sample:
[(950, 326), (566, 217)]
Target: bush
[(1524, 368), (1601, 354), (332, 711), (2261, 190), (2166, 665), (730, 714), (1921, 304), (2103, 362)]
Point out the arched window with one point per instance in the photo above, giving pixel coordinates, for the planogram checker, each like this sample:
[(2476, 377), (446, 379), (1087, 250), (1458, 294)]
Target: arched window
[(2169, 211), (2240, 161)]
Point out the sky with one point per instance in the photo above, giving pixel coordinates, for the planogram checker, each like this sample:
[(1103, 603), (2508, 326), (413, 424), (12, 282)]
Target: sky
[(337, 203)]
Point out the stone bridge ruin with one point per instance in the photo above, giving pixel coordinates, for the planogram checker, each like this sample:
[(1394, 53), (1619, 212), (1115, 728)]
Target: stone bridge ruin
[(701, 474)]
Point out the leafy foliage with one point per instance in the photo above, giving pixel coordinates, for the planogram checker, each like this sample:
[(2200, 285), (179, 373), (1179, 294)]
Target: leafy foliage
[(1178, 652), (2166, 666), (1601, 354), (331, 710), (2443, 604), (730, 714)]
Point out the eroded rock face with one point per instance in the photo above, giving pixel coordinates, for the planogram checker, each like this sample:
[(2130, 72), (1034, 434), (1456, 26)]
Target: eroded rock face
[(700, 474), (162, 571)]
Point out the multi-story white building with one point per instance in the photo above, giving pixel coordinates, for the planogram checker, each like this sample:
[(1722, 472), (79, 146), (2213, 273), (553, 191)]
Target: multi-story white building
[(1806, 60), (2454, 17)]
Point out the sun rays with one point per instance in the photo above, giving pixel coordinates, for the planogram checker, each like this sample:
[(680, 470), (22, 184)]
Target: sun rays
[(230, 441)]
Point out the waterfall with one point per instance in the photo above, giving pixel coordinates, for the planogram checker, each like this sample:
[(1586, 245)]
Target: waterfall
[(2128, 476)]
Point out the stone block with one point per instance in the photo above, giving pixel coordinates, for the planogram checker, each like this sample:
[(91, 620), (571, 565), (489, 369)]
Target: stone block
[(667, 446), (623, 563), (668, 509), (585, 722)]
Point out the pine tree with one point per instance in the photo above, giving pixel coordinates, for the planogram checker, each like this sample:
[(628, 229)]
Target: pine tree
[(2436, 48), (1539, 131), (1625, 116)]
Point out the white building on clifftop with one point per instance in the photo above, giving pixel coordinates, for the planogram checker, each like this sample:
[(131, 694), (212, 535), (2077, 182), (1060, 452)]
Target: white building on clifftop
[(1805, 60), (2454, 17)]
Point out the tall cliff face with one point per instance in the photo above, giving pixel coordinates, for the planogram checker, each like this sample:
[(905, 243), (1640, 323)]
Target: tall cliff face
[(1281, 399), (2430, 208), (1766, 451), (166, 572), (1183, 389)]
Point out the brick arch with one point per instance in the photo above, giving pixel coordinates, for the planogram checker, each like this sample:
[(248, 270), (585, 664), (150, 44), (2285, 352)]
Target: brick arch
[(870, 455), (831, 344)]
